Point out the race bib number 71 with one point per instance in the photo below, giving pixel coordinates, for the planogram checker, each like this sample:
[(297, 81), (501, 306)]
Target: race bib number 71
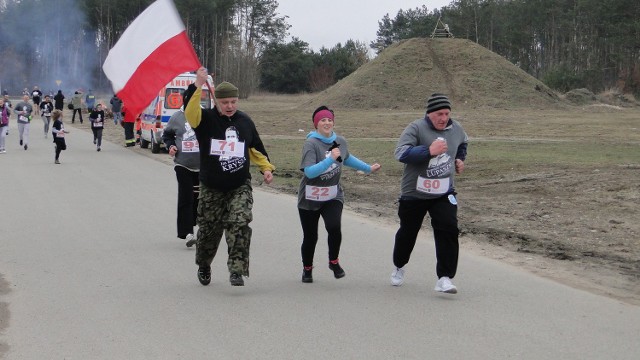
[(227, 148)]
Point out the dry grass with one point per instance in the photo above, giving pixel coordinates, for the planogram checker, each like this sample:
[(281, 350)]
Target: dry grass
[(543, 177)]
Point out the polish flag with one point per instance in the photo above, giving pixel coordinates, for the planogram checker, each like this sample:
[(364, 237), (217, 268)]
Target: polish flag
[(150, 53)]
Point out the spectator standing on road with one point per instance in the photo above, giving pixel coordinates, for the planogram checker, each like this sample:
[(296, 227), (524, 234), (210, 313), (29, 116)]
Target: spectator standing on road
[(46, 107), (97, 124), (226, 197), (320, 192), (59, 133), (180, 139), (76, 102), (433, 150), (116, 109), (36, 96), (5, 113), (59, 101), (90, 100), (128, 123), (23, 110)]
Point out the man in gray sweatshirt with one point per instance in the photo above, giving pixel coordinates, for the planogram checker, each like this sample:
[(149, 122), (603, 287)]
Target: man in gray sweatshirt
[(433, 150), (180, 139), (23, 110)]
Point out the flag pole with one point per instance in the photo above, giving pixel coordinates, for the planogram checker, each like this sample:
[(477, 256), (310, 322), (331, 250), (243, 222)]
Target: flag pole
[(212, 95)]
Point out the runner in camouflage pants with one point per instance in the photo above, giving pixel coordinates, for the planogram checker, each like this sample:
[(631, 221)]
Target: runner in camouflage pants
[(228, 213)]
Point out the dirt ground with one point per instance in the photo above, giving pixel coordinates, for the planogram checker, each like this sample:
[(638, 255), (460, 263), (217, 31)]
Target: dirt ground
[(550, 223), (578, 226)]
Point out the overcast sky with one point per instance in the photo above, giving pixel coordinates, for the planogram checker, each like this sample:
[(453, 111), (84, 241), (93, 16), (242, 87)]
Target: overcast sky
[(328, 22)]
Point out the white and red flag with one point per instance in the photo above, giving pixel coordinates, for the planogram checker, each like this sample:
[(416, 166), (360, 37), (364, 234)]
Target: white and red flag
[(150, 53)]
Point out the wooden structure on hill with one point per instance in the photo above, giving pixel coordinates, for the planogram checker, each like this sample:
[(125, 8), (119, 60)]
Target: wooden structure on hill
[(441, 30)]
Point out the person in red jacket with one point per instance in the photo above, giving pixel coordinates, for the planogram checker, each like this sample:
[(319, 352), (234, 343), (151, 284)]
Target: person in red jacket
[(128, 124)]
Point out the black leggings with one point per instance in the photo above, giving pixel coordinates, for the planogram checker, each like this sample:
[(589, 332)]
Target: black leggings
[(331, 213), (97, 136), (73, 117), (60, 145)]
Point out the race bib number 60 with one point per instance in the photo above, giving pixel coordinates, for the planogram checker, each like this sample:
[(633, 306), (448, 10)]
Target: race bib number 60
[(432, 186), (227, 148)]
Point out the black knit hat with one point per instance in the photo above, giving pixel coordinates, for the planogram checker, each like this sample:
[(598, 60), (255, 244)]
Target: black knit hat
[(438, 102)]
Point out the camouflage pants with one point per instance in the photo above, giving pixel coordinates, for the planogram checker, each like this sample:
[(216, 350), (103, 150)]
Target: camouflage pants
[(227, 213)]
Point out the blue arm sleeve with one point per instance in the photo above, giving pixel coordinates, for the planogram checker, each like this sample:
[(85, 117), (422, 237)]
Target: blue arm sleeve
[(314, 171), (357, 164), (415, 154)]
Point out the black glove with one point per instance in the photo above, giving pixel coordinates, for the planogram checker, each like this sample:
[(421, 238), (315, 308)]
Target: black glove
[(333, 146)]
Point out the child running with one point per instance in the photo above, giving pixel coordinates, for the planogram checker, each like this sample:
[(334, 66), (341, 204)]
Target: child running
[(58, 132), (97, 124), (45, 110)]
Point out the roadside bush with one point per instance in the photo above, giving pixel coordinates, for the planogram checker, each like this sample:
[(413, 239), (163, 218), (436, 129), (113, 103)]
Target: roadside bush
[(563, 79)]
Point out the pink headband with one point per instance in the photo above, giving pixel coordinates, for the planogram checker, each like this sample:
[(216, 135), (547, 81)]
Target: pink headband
[(321, 115)]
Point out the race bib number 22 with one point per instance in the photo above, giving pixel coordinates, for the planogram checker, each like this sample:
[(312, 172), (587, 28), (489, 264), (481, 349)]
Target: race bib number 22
[(321, 193)]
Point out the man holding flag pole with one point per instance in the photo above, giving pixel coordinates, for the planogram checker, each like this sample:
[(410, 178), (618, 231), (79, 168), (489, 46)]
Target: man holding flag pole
[(228, 142), (152, 51)]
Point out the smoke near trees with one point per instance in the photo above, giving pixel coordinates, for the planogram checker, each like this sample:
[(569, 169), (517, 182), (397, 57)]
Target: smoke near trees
[(45, 43)]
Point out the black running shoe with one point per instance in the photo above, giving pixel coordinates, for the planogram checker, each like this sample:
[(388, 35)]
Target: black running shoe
[(307, 277), (204, 275), (236, 279), (20, 142), (338, 272)]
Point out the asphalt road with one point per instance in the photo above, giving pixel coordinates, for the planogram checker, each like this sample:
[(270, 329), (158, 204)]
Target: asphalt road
[(93, 270)]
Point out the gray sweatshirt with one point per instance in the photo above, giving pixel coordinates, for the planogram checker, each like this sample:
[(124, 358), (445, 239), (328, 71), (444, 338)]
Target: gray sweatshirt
[(312, 193), (428, 177), (178, 132), (23, 110)]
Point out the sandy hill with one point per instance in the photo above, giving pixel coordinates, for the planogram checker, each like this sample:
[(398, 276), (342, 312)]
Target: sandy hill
[(405, 74)]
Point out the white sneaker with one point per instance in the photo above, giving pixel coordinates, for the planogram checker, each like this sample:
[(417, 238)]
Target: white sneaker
[(397, 277), (444, 285), (191, 240)]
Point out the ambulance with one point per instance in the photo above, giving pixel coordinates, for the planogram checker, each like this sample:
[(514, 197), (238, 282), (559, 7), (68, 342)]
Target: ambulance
[(169, 100)]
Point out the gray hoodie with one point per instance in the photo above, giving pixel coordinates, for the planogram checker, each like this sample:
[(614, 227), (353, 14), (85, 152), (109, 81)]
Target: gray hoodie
[(23, 110), (178, 132), (429, 177)]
